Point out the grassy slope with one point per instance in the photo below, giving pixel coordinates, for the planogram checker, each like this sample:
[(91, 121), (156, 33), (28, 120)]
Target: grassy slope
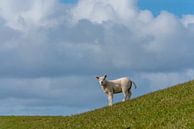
[(172, 108)]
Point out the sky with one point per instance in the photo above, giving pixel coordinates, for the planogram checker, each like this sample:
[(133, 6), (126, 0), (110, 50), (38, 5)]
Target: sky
[(52, 50)]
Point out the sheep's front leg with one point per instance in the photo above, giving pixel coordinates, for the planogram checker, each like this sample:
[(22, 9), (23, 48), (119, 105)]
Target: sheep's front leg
[(110, 97)]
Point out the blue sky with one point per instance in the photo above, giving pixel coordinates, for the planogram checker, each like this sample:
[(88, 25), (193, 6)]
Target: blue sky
[(51, 51), (178, 7)]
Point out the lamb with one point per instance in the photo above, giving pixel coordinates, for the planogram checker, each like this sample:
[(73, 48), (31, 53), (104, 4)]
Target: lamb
[(111, 87)]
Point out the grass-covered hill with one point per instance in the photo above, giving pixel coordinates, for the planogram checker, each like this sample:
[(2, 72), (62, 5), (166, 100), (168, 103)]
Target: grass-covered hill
[(171, 108)]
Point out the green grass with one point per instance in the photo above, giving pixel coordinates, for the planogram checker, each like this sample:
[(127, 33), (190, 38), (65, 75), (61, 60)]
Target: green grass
[(171, 108)]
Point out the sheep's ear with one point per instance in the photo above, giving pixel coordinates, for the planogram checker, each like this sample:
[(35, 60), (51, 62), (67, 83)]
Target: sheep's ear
[(105, 76), (97, 78)]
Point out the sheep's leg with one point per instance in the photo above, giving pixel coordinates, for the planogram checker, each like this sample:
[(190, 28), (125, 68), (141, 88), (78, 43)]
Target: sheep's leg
[(129, 94), (126, 95), (110, 97)]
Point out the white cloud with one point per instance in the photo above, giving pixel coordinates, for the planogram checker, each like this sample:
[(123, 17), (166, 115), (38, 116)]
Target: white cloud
[(188, 20), (22, 14), (159, 81), (65, 91), (99, 11)]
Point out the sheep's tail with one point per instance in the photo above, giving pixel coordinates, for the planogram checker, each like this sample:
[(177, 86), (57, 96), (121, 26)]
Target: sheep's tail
[(134, 84)]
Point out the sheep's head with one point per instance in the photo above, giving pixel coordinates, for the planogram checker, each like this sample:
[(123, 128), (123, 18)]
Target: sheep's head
[(102, 80)]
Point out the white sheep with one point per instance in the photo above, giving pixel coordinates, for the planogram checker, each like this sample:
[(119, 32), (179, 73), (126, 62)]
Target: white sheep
[(111, 87)]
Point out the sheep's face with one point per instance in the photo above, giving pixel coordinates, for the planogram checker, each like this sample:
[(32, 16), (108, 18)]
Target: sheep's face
[(102, 80)]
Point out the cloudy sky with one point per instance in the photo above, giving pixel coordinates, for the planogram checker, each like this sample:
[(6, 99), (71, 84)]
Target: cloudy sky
[(52, 50)]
